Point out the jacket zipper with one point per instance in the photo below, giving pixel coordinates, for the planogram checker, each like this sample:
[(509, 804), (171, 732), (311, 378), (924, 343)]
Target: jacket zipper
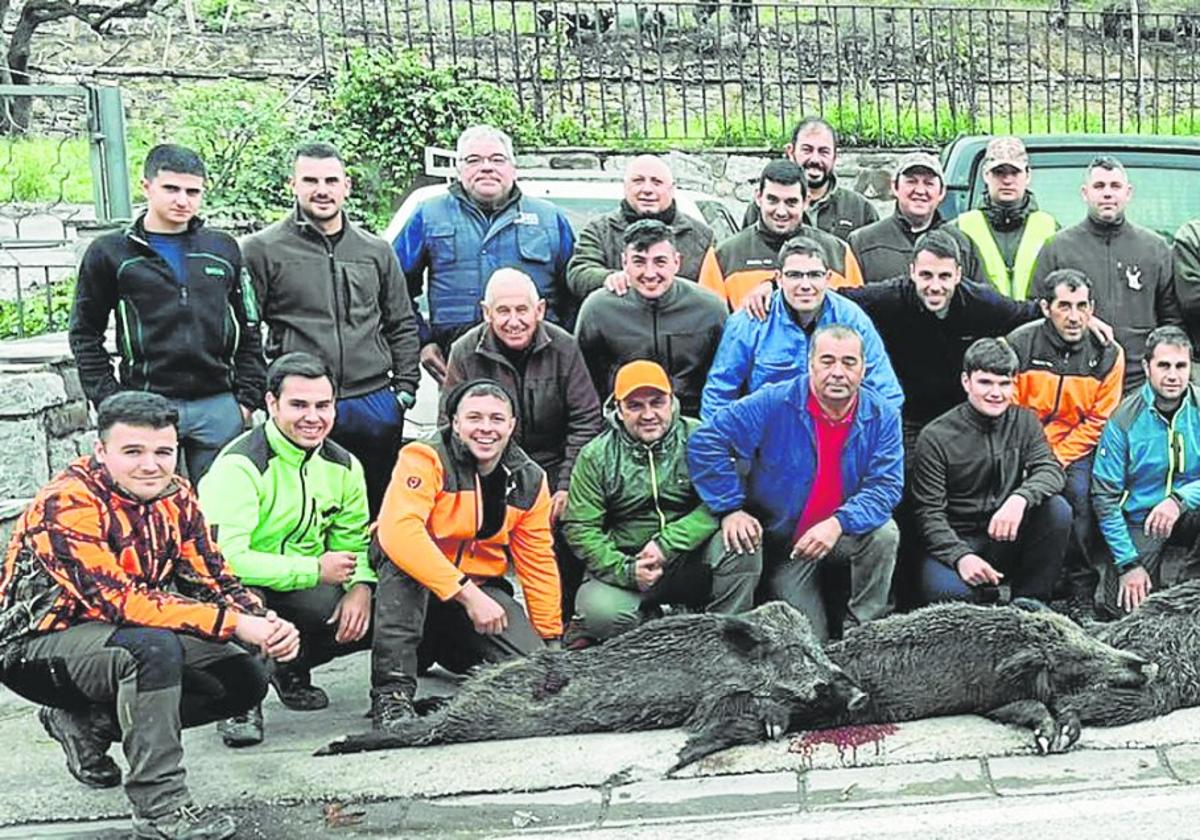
[(299, 527), (337, 308), (662, 520), (1062, 379)]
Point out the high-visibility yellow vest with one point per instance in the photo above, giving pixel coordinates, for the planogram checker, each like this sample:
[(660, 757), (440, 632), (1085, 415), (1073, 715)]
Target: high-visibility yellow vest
[(1039, 227)]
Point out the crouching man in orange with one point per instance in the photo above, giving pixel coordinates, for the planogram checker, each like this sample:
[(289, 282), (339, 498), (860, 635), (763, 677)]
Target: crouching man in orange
[(117, 612), (458, 508)]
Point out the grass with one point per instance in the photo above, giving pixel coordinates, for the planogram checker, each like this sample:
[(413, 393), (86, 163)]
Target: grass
[(55, 170), (41, 311)]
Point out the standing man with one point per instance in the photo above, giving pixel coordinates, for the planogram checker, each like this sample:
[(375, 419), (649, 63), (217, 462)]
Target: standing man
[(836, 210), (637, 523), (649, 194), (1129, 266), (823, 469), (1185, 252), (187, 322), (985, 488), (327, 287), (675, 324), (454, 242), (119, 611), (290, 509), (884, 248), (1071, 380), (753, 353), (748, 261), (1009, 230), (539, 363), (459, 509), (1146, 479)]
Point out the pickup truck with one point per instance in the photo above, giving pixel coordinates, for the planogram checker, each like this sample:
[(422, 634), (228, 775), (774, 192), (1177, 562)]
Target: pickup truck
[(1164, 171)]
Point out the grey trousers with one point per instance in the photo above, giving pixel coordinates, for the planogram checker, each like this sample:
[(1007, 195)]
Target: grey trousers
[(871, 559), (157, 682), (709, 577), (412, 629)]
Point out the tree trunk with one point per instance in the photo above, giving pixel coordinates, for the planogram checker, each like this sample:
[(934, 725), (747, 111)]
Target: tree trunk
[(15, 113)]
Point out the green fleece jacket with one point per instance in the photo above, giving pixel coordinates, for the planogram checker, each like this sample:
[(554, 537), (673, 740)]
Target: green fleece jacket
[(625, 493), (276, 508)]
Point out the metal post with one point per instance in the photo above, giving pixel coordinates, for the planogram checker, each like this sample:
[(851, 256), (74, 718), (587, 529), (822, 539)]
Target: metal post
[(109, 154)]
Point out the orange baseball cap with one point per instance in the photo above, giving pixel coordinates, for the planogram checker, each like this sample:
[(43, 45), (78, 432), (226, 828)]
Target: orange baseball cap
[(640, 374)]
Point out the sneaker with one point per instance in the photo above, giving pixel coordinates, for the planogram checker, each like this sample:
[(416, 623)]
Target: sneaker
[(390, 709), (185, 823), (85, 745), (244, 730), (296, 691)]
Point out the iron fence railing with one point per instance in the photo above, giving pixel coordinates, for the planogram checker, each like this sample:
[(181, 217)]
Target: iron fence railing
[(738, 71)]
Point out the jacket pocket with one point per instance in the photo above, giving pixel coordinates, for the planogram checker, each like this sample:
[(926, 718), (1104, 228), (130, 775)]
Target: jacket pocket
[(533, 243), (441, 246), (131, 335), (361, 285)]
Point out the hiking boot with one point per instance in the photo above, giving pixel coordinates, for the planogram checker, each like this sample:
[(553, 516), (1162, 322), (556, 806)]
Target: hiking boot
[(244, 730), (391, 709), (85, 744), (185, 823), (295, 689)]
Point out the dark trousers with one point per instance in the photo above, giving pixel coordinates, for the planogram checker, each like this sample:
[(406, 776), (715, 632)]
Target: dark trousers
[(205, 425), (155, 681), (1030, 565), (370, 427), (412, 629), (1081, 566), (1166, 568), (309, 610)]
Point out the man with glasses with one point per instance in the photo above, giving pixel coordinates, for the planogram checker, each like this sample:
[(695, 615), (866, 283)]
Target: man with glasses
[(454, 242), (753, 353)]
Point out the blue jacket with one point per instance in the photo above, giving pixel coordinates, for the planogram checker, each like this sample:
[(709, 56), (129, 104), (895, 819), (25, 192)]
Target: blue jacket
[(754, 353), (460, 247), (772, 433), (1140, 461)]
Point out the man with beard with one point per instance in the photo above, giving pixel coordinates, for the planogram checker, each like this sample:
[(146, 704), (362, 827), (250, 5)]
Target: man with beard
[(649, 194), (755, 352), (461, 508), (1009, 230), (636, 521), (986, 487), (833, 209), (327, 287), (1146, 479), (743, 268), (1130, 266), (884, 248)]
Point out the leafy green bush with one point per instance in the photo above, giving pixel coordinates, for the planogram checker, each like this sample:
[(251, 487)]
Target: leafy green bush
[(388, 107), (245, 132), (40, 311)]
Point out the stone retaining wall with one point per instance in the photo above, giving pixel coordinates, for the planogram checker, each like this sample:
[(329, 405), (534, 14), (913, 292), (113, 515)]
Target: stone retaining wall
[(44, 425)]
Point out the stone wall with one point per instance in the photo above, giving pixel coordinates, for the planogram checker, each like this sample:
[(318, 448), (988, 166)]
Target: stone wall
[(44, 425)]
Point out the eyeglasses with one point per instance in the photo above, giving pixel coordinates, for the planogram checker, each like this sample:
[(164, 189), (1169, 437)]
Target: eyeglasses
[(811, 276), (471, 161)]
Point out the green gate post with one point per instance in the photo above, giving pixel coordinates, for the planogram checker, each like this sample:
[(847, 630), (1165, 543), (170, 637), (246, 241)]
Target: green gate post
[(110, 159)]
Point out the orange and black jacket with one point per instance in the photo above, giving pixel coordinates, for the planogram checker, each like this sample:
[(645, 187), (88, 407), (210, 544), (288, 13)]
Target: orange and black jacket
[(750, 257), (87, 551), (1073, 389), (434, 525)]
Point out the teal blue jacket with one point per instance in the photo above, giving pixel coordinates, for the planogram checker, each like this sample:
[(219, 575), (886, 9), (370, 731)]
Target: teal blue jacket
[(276, 508)]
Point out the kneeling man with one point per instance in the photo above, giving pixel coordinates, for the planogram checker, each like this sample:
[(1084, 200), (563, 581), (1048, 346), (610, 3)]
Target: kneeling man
[(117, 612), (637, 523), (289, 508), (459, 507)]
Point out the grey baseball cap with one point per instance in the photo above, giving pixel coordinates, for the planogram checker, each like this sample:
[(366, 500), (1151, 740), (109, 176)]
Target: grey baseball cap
[(920, 160)]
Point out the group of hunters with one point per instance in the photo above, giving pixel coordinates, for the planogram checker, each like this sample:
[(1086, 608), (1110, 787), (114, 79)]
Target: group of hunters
[(848, 413)]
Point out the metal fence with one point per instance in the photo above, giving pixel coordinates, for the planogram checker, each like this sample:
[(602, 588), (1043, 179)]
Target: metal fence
[(741, 70)]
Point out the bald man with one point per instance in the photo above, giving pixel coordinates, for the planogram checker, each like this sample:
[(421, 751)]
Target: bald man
[(649, 194)]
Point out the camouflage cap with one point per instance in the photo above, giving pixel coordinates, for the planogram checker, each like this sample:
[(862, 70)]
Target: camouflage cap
[(1005, 151), (920, 160)]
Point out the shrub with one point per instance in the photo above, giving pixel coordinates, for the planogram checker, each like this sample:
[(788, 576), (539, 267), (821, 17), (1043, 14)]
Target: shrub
[(42, 310), (388, 107)]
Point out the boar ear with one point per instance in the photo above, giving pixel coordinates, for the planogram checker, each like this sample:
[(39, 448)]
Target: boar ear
[(745, 637)]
